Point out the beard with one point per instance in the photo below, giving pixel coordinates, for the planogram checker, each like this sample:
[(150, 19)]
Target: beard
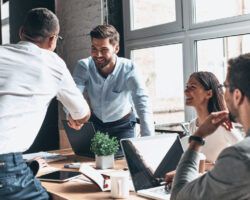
[(103, 64), (232, 117)]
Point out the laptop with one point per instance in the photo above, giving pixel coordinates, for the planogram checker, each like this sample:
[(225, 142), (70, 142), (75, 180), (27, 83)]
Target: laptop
[(149, 159), (80, 140)]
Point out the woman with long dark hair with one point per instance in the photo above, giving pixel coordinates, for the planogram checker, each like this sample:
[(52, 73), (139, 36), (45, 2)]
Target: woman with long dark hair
[(204, 93)]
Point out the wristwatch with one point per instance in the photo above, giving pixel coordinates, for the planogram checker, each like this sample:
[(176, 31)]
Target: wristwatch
[(197, 139)]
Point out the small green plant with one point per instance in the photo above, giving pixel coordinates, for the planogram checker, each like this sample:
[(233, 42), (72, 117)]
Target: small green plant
[(103, 145)]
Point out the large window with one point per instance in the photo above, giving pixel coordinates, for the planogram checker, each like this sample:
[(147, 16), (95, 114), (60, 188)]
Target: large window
[(169, 40), (143, 11), (162, 70), (212, 54), (207, 10)]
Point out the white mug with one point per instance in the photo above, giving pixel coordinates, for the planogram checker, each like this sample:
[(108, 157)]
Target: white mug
[(120, 185)]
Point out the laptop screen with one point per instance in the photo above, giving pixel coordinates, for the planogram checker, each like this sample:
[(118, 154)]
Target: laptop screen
[(80, 140), (150, 158)]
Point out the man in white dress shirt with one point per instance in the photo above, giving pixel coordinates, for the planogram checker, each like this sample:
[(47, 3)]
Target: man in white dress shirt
[(31, 74)]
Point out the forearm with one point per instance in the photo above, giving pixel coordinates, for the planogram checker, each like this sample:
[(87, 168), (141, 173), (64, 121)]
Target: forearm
[(187, 169), (144, 111), (147, 125)]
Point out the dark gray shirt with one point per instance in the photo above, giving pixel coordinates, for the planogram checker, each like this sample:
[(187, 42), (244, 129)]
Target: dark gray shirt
[(229, 179)]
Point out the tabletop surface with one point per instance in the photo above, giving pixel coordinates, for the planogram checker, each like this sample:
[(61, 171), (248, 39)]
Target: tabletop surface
[(77, 189)]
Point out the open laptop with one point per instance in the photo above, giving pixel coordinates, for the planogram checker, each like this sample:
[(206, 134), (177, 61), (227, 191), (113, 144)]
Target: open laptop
[(149, 159), (80, 140)]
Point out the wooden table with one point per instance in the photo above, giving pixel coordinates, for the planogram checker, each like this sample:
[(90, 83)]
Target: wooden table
[(74, 190)]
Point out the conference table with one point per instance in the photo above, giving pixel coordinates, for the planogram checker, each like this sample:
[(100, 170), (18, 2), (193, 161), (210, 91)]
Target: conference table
[(77, 189)]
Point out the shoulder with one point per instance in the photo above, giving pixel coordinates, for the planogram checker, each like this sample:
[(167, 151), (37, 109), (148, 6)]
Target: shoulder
[(241, 150), (126, 64), (85, 63), (57, 58)]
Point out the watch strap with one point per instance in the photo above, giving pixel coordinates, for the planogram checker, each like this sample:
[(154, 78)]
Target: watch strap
[(197, 139)]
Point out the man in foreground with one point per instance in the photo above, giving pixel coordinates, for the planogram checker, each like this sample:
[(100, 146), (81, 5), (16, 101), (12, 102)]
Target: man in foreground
[(113, 86), (31, 74), (230, 177)]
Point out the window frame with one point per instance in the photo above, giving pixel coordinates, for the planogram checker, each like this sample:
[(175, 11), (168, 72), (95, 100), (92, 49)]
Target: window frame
[(189, 33), (221, 21), (153, 30)]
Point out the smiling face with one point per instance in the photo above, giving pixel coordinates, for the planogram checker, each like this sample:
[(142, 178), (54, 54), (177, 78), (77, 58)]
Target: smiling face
[(195, 94), (103, 53)]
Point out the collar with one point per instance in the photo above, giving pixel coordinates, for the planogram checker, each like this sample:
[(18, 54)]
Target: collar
[(116, 66), (29, 46)]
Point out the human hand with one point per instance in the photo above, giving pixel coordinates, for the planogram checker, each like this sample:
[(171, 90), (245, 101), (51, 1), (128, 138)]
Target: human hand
[(75, 124), (42, 162), (228, 125), (169, 177), (213, 121)]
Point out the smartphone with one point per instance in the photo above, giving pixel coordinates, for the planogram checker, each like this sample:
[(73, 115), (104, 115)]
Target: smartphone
[(59, 176)]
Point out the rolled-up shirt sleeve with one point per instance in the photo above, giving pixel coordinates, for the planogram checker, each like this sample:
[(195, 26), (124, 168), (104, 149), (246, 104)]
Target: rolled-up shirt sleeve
[(141, 102), (72, 98)]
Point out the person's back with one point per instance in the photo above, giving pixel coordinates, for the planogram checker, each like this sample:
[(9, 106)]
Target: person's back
[(31, 75), (30, 78)]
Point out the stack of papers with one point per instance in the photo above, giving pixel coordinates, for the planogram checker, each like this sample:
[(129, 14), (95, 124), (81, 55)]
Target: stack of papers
[(49, 157)]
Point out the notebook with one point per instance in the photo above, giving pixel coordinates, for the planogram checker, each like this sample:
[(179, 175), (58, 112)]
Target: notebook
[(149, 159), (80, 140)]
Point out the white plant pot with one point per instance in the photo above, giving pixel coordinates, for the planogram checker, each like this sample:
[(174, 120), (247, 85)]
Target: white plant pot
[(104, 162)]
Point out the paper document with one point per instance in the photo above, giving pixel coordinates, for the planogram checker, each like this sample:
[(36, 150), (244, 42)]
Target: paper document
[(49, 157)]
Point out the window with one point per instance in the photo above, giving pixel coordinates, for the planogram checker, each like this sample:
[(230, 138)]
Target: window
[(213, 54), (143, 11), (207, 10), (5, 22), (162, 70), (169, 40)]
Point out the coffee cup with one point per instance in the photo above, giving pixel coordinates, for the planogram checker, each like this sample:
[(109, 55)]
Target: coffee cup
[(120, 185)]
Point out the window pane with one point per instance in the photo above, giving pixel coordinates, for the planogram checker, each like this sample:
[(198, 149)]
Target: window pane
[(5, 34), (207, 10), (146, 13), (5, 10), (162, 70), (214, 53)]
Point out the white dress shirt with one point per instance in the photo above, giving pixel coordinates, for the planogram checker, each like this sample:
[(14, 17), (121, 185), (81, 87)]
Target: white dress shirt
[(216, 142), (29, 78)]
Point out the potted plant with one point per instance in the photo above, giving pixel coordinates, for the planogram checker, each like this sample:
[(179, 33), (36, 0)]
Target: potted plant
[(104, 149)]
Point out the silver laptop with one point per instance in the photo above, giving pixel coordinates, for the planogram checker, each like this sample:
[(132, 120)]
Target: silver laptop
[(149, 159)]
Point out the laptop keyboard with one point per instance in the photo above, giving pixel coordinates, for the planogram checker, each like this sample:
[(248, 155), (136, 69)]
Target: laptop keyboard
[(160, 190), (155, 193)]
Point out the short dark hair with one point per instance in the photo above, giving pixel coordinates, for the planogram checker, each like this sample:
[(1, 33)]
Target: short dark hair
[(239, 74), (106, 31), (209, 82), (40, 23)]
